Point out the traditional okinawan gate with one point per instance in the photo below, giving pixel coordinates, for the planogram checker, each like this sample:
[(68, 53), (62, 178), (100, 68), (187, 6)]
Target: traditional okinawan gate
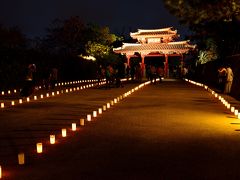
[(155, 42)]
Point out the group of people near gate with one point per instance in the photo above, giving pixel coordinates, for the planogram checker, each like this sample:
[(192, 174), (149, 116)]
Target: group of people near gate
[(225, 79), (47, 78), (154, 72), (112, 75)]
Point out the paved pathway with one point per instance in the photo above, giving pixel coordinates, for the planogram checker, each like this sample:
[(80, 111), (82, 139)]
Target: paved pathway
[(167, 131)]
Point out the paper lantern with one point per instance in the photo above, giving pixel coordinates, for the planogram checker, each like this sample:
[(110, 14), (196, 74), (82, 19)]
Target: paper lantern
[(47, 95), (57, 92), (52, 139), (89, 117), (2, 105), (20, 101), (12, 103), (236, 112), (115, 100), (74, 126), (108, 105), (41, 96), (64, 132), (228, 106), (35, 97), (232, 109), (21, 159), (53, 94), (15, 90), (39, 148), (112, 103), (28, 99), (104, 107), (81, 122), (238, 115), (99, 110), (0, 172), (2, 92), (94, 113), (9, 92)]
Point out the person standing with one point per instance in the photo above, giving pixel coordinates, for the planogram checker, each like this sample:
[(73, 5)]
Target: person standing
[(222, 74), (53, 77), (229, 80)]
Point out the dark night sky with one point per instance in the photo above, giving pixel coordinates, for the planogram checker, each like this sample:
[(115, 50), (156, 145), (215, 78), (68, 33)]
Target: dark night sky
[(34, 16)]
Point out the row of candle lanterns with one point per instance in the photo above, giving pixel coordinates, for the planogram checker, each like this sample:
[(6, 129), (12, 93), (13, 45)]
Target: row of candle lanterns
[(52, 137), (57, 84), (20, 101), (219, 97)]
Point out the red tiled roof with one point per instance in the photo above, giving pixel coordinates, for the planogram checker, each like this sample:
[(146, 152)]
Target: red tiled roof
[(155, 47), (153, 33)]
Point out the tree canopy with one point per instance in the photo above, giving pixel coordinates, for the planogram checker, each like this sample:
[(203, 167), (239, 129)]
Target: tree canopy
[(217, 20)]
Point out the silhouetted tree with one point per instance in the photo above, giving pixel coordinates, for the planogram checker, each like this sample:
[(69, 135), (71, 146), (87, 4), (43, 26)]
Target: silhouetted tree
[(215, 19)]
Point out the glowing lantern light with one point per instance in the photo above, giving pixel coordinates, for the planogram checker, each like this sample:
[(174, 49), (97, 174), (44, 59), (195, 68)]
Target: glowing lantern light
[(66, 90), (53, 94), (28, 99), (2, 105), (41, 96), (12, 103), (57, 92), (108, 105), (104, 107), (74, 126), (94, 113), (118, 99), (81, 122), (9, 92), (21, 159), (232, 109), (0, 172), (236, 112), (99, 110), (228, 106), (115, 100), (39, 148), (20, 101), (35, 97), (15, 90), (89, 117), (121, 97), (2, 92), (112, 103), (238, 115), (52, 139), (64, 132), (47, 95)]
